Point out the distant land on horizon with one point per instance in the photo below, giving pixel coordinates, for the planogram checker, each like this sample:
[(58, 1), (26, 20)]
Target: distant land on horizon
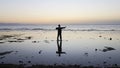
[(83, 23)]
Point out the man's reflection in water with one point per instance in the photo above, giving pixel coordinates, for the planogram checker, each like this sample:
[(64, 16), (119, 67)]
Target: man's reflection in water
[(59, 45)]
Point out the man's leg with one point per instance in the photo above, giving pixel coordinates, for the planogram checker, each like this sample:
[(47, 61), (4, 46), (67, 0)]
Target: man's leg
[(57, 37), (60, 37)]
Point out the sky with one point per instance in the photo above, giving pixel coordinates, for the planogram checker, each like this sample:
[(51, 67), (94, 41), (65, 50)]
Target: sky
[(59, 11)]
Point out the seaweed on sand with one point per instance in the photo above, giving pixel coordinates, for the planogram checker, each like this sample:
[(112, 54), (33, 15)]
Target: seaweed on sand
[(6, 36), (15, 41), (1, 42), (6, 52), (13, 38), (2, 57), (108, 49)]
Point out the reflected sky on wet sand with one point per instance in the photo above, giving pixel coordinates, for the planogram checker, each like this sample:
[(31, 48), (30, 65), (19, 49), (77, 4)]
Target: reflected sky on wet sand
[(81, 47)]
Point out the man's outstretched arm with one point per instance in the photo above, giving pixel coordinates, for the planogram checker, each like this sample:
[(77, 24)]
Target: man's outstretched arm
[(63, 27), (56, 28)]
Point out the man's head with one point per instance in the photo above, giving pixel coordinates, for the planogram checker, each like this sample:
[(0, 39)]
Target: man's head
[(59, 25)]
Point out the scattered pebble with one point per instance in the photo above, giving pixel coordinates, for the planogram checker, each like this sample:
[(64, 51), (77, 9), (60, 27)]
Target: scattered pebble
[(86, 54), (100, 36), (104, 62), (110, 39), (28, 37), (40, 51), (96, 49), (34, 41), (2, 62), (29, 61), (115, 65), (20, 61)]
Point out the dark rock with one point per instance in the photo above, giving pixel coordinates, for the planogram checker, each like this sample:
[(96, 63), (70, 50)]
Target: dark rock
[(86, 54), (29, 61), (28, 37), (104, 62), (100, 36), (96, 49), (40, 51), (110, 39), (20, 61), (2, 62)]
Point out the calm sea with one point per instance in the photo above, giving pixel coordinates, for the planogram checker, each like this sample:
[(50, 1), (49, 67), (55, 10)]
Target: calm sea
[(74, 27)]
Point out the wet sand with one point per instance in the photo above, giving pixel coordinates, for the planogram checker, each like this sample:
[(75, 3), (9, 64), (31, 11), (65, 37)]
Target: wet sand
[(82, 48)]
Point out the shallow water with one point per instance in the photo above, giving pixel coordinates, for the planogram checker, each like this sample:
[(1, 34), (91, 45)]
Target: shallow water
[(80, 47)]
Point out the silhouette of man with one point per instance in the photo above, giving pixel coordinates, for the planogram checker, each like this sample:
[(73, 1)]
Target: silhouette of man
[(59, 28)]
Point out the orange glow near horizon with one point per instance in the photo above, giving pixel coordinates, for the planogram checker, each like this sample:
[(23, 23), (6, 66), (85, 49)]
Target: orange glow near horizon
[(53, 12)]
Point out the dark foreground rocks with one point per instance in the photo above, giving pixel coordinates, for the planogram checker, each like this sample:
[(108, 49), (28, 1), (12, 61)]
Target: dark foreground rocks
[(51, 66)]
